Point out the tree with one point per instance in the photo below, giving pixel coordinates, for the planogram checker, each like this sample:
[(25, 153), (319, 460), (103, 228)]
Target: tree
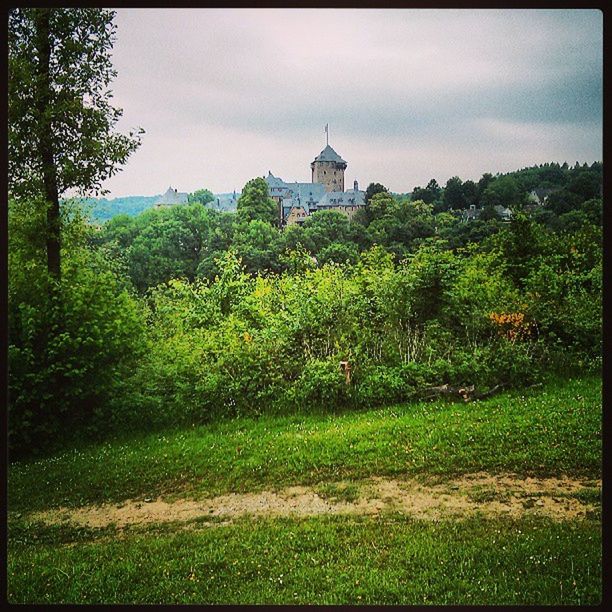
[(483, 183), (60, 117), (586, 185), (203, 196), (429, 194), (66, 384), (434, 189), (382, 204), (373, 189), (254, 243), (254, 203), (453, 194), (324, 227), (502, 191), (470, 193), (339, 252), (562, 201)]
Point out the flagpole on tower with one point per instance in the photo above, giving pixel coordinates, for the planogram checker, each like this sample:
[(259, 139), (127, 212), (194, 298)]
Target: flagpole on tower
[(327, 133)]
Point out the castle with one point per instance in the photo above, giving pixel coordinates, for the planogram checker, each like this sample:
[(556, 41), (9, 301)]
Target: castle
[(297, 201)]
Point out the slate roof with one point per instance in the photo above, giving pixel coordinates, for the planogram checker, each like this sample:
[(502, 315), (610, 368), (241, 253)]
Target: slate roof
[(308, 192), (225, 202), (172, 196), (350, 197), (275, 181), (328, 154)]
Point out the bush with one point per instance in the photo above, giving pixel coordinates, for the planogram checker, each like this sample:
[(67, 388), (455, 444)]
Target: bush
[(72, 343), (321, 384), (69, 355)]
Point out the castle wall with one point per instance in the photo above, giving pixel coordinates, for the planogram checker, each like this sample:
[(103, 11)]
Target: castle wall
[(296, 215), (329, 173)]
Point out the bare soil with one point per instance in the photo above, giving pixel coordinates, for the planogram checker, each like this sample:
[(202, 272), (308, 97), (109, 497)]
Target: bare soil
[(485, 494)]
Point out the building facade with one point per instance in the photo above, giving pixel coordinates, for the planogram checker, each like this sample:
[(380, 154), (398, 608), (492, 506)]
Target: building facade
[(297, 201)]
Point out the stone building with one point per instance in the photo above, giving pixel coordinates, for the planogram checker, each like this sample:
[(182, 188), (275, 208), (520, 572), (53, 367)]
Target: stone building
[(297, 201), (171, 197), (328, 169)]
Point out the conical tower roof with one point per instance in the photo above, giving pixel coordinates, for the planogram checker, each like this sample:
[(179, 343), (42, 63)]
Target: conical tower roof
[(328, 154)]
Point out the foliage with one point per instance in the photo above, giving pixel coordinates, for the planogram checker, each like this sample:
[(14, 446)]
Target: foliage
[(78, 110), (254, 203), (502, 191), (509, 432), (373, 189), (453, 194), (65, 378), (244, 318), (61, 120), (430, 194), (203, 196), (101, 209)]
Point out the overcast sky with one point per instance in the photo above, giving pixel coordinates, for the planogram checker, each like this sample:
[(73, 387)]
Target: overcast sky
[(225, 95)]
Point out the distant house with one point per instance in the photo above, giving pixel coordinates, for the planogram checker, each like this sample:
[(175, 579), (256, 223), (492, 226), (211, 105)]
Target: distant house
[(539, 195), (471, 214), (297, 214), (171, 197), (347, 202), (224, 202), (504, 213)]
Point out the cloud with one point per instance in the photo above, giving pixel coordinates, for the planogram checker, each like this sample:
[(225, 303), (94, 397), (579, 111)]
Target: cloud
[(468, 91)]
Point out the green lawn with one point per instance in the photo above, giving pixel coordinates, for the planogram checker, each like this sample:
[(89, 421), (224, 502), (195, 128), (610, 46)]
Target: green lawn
[(546, 431), (327, 560), (387, 559)]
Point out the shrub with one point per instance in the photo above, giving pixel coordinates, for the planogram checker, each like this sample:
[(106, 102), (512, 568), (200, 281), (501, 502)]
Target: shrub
[(321, 384)]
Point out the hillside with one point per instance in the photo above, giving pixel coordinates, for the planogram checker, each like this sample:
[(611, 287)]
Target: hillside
[(407, 504)]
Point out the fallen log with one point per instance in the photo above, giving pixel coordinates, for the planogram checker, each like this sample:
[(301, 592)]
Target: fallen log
[(467, 393)]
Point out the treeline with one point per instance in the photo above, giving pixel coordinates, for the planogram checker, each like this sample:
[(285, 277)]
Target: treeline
[(186, 241), (184, 315), (565, 187), (101, 209)]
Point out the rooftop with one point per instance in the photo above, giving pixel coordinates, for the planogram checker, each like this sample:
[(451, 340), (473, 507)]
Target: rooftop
[(328, 154)]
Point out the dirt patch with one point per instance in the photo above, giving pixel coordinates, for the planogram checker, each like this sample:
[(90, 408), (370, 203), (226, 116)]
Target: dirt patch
[(486, 494)]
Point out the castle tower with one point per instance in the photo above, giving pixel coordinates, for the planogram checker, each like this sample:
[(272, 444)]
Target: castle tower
[(328, 168)]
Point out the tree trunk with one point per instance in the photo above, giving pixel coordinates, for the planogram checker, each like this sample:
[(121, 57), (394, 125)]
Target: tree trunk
[(45, 142)]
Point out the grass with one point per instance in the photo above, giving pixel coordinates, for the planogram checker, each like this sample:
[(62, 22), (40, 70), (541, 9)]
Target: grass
[(547, 431), (327, 560), (339, 491), (481, 495), (384, 559)]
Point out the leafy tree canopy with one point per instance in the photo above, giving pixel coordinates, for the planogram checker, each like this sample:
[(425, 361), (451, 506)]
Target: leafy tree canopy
[(77, 109), (203, 196), (60, 118), (373, 189), (254, 203)]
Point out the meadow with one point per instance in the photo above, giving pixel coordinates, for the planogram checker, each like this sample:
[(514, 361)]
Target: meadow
[(383, 556)]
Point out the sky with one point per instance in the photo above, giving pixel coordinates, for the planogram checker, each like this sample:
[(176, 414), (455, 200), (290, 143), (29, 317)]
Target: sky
[(225, 95)]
